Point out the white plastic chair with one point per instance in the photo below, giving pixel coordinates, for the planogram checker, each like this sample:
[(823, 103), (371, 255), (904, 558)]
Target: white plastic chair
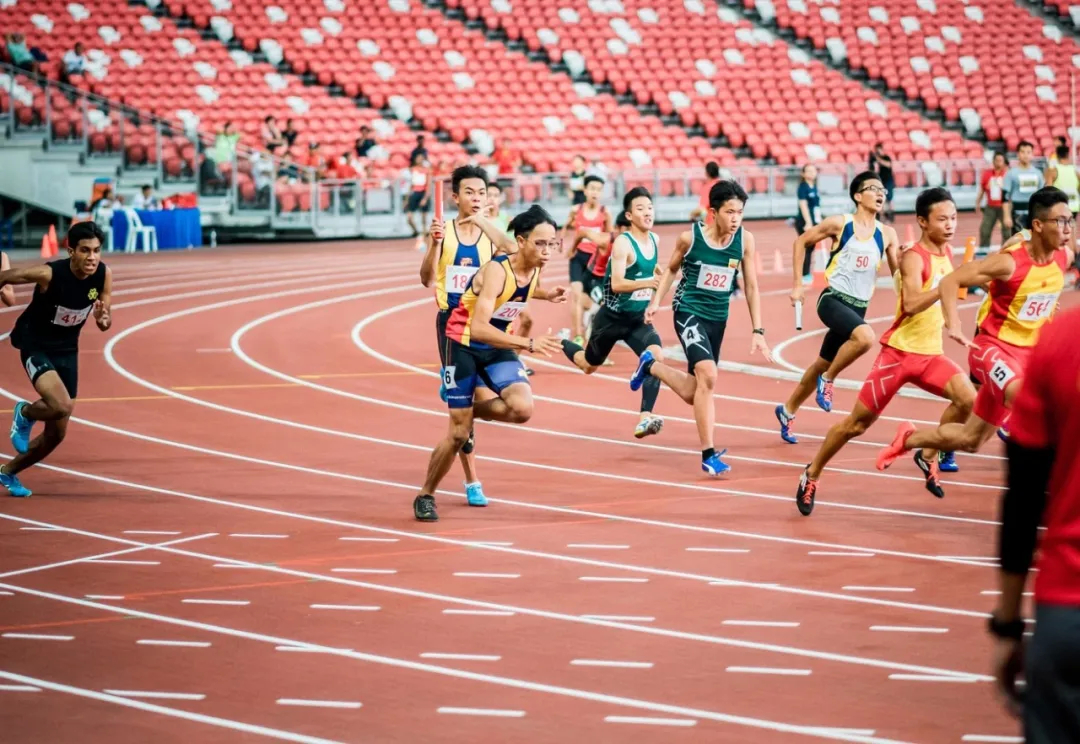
[(137, 228)]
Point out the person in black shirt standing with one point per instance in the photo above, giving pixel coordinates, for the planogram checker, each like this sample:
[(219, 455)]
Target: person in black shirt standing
[(881, 163), (66, 293)]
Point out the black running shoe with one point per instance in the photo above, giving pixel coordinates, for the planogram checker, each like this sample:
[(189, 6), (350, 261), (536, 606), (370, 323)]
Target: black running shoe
[(804, 497), (930, 472), (424, 509), (470, 443)]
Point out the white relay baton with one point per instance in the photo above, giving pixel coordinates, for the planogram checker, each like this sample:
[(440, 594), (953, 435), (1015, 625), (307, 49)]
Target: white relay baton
[(798, 315)]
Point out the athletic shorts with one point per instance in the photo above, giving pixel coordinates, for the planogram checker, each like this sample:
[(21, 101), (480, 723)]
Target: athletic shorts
[(608, 328), (64, 363), (701, 339), (894, 368), (467, 368), (440, 335), (579, 267), (593, 286), (995, 365), (841, 318), (416, 202)]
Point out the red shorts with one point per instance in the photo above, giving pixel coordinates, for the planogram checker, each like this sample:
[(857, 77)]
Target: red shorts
[(995, 365), (894, 368)]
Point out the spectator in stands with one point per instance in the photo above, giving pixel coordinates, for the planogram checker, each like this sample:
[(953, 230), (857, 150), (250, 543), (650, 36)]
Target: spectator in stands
[(262, 175), (419, 194), (881, 163), (712, 175), (101, 210), (272, 137), (290, 134), (365, 142), (225, 144), (21, 55), (505, 159), (577, 179), (1022, 180), (316, 161), (1059, 141), (1061, 173), (992, 186), (74, 62), (420, 149), (288, 170), (145, 199), (809, 213)]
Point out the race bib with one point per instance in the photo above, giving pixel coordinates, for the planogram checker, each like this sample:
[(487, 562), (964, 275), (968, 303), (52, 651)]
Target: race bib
[(1038, 306), (65, 316), (864, 262), (1028, 181), (449, 378), (457, 278), (997, 185), (642, 294), (1001, 373), (716, 278), (508, 311), (936, 280)]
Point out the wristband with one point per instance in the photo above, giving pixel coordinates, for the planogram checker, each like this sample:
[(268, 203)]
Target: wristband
[(759, 331), (1013, 630), (530, 346)]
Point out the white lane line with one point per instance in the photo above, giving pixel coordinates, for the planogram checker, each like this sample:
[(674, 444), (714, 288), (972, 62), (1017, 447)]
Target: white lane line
[(762, 623), (364, 570), (492, 712), (489, 543), (718, 550), (355, 608), (482, 575), (19, 688), (990, 739), (615, 579), (7, 594), (621, 618), (311, 650), (984, 558), (38, 637), (113, 597), (301, 702), (254, 566), (933, 678), (165, 533), (458, 657), (226, 602), (486, 613), (257, 536), (997, 593), (371, 539), (845, 731), (597, 546), (769, 670), (877, 589), (841, 553), (179, 644), (907, 629), (101, 557), (123, 562), (613, 664), (649, 721), (39, 529), (154, 695)]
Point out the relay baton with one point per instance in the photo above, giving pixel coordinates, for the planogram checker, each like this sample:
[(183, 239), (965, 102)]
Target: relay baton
[(798, 315), (438, 200)]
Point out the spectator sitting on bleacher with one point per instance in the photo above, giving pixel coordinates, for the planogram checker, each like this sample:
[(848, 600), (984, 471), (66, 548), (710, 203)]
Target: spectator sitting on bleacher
[(103, 207), (21, 55), (290, 134), (262, 174), (272, 137), (287, 171), (316, 161), (145, 199), (365, 142), (225, 144), (74, 62)]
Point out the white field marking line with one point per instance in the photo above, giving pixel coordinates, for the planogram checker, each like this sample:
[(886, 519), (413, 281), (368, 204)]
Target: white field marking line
[(908, 629), (19, 688), (372, 539), (991, 739), (762, 623), (116, 597), (37, 637), (122, 562), (223, 602), (597, 546), (486, 613), (615, 579), (509, 682), (588, 620), (933, 678), (6, 594), (38, 529), (489, 712), (997, 593), (178, 644), (718, 550), (647, 721), (482, 575), (382, 571), (853, 588), (769, 670), (151, 532), (100, 557), (304, 703), (354, 608), (458, 657), (154, 695), (175, 713), (612, 664), (621, 618), (257, 536), (231, 565), (484, 543), (841, 553)]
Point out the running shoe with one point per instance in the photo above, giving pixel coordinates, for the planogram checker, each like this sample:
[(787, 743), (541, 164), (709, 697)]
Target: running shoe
[(714, 465), (579, 340), (824, 394), (785, 425), (474, 494), (930, 472), (423, 508), (648, 426), (14, 486), (645, 363), (804, 497), (947, 462), (1003, 434), (891, 453), (20, 429)]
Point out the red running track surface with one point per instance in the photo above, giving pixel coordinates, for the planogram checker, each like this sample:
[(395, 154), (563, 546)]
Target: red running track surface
[(224, 548)]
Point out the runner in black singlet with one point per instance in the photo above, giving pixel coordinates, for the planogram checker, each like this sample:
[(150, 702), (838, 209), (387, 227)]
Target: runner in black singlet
[(66, 293)]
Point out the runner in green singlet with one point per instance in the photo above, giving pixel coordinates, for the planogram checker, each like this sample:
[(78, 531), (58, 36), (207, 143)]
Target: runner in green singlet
[(630, 280), (708, 257)]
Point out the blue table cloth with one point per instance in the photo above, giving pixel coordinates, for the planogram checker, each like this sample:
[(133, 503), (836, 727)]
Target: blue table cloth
[(176, 228)]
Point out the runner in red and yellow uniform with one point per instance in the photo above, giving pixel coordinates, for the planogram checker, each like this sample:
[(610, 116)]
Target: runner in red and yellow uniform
[(912, 349), (1025, 281), (583, 277)]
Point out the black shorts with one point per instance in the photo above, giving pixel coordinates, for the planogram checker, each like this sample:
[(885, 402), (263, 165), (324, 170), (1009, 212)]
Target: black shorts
[(440, 334), (593, 286), (701, 339), (608, 328), (579, 267), (416, 202), (841, 318), (467, 368), (64, 363)]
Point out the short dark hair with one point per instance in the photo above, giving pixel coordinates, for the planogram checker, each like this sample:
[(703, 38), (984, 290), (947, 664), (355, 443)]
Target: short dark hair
[(464, 173), (523, 224), (593, 179), (1062, 152), (622, 221), (712, 169), (724, 191), (1023, 144), (999, 154), (635, 193), (1043, 200), (81, 231), (928, 198), (860, 180)]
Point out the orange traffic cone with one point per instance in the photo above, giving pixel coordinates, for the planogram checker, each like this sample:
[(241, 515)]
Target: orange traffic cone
[(969, 255), (909, 235), (778, 262), (46, 247), (54, 244), (819, 262), (758, 264)]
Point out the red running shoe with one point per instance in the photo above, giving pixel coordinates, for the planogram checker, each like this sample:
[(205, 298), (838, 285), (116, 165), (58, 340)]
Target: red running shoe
[(888, 455)]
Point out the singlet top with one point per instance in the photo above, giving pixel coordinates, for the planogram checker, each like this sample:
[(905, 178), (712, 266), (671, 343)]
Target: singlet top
[(592, 223), (708, 276), (643, 267), (854, 261), (54, 318), (508, 305), (1016, 309), (921, 333), (1068, 181), (457, 264)]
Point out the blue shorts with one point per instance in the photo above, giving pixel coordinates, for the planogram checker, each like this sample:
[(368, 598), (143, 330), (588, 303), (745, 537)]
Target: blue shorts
[(466, 368)]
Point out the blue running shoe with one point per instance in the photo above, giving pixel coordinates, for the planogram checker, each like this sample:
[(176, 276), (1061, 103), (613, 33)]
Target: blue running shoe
[(714, 465), (14, 487), (947, 462), (474, 494), (824, 394), (20, 429), (1003, 434), (645, 363), (785, 425)]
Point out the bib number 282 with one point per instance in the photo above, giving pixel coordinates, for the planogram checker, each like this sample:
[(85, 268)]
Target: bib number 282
[(716, 278)]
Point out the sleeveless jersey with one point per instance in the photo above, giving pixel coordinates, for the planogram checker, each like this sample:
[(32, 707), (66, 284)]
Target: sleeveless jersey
[(853, 262), (633, 303), (54, 318), (708, 276), (921, 333), (592, 223), (508, 305), (1068, 181), (1015, 309), (457, 264)]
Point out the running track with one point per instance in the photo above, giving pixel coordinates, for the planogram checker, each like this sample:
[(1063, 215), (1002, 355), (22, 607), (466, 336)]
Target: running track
[(224, 548)]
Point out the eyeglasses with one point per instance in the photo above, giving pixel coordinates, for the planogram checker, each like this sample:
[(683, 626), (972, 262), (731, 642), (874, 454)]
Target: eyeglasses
[(873, 189), (1063, 222), (545, 245)]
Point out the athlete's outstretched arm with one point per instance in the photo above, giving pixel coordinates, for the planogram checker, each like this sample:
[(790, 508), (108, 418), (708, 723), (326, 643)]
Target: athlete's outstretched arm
[(431, 255), (503, 243), (753, 298), (7, 294), (828, 228), (913, 299), (40, 275), (621, 252), (682, 246), (490, 279), (103, 304), (972, 274), (892, 249)]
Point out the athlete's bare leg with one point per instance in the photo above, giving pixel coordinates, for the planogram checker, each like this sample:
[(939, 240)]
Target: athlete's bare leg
[(54, 403), (961, 395), (854, 425), (577, 308), (952, 435), (461, 420), (514, 406), (697, 390), (861, 341), (682, 384), (41, 447), (806, 387)]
